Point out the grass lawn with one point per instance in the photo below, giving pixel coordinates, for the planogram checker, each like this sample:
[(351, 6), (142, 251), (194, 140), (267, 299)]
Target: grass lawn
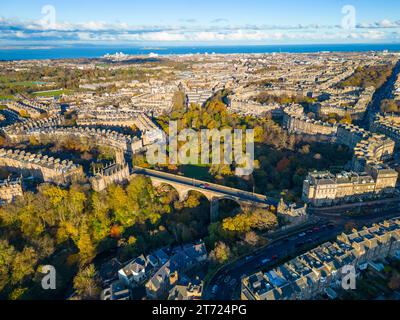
[(54, 93), (10, 97)]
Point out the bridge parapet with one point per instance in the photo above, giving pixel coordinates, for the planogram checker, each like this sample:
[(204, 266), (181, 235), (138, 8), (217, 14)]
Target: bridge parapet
[(213, 192)]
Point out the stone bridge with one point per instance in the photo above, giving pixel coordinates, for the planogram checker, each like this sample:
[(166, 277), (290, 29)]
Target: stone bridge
[(213, 192)]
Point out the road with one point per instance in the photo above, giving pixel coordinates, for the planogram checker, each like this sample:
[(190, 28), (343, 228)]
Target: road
[(228, 279), (202, 186), (384, 92)]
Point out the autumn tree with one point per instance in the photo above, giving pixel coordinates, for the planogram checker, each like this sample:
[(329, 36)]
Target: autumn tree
[(257, 218), (86, 284), (23, 265), (221, 253), (7, 254), (251, 238)]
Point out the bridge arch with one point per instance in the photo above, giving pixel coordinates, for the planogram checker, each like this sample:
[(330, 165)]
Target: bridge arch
[(214, 197), (185, 193), (182, 191), (164, 185)]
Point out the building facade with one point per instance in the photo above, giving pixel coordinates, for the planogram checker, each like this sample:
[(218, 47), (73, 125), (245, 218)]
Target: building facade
[(322, 269)]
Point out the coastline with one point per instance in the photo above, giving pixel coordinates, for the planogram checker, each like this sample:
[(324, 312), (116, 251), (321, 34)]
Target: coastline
[(92, 52)]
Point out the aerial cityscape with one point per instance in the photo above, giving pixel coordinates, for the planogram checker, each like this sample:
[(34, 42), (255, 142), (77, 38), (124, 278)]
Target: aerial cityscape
[(182, 161)]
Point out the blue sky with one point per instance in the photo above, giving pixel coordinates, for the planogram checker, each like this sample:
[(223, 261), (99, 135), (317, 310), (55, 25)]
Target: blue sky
[(179, 22)]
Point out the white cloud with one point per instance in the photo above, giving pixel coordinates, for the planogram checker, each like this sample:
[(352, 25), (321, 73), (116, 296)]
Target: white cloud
[(98, 31), (383, 24)]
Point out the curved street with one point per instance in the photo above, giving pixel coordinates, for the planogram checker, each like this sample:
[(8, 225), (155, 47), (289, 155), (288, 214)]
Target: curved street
[(226, 283)]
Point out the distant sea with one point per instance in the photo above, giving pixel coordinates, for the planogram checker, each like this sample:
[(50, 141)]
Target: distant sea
[(97, 51)]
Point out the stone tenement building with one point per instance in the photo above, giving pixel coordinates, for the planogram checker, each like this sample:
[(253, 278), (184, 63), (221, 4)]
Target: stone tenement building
[(369, 149), (252, 107), (374, 151), (350, 135), (126, 143), (156, 102), (325, 189), (22, 108), (342, 102), (10, 189), (51, 107), (47, 169), (296, 123), (114, 173), (33, 108), (370, 176), (18, 128), (113, 117), (321, 270), (120, 119), (198, 96), (389, 126)]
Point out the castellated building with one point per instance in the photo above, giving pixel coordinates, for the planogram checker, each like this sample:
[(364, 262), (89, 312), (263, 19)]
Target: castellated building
[(47, 169), (10, 189), (114, 173), (291, 213)]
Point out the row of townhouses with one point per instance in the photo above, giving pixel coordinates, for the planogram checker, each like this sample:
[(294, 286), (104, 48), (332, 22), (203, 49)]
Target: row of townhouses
[(163, 273), (320, 271)]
